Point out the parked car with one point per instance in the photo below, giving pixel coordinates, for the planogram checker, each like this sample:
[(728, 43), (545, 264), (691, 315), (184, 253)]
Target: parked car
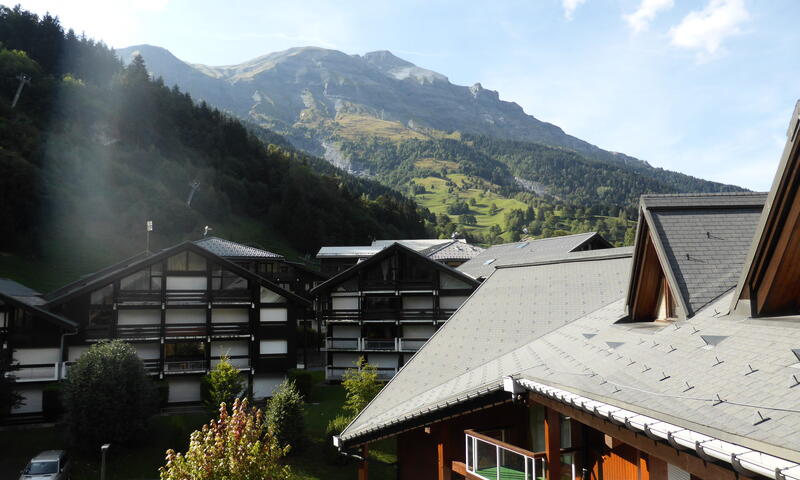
[(48, 465)]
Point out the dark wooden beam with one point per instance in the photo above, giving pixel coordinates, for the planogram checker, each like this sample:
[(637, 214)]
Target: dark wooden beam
[(363, 465), (552, 443), (684, 460)]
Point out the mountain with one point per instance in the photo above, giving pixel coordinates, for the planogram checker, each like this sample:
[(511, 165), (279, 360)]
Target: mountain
[(94, 149), (478, 164), (311, 93)]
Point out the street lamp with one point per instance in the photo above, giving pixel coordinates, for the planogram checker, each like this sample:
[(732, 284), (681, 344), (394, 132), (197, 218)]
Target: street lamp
[(103, 451)]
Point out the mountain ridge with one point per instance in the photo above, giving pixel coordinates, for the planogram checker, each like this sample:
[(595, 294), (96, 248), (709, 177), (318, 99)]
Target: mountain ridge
[(273, 90)]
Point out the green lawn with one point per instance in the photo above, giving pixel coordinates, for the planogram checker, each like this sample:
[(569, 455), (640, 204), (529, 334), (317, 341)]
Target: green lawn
[(142, 462)]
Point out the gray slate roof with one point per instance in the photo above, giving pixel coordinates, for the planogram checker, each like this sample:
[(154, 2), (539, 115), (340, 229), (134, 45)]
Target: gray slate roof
[(231, 250), (20, 292), (453, 250), (522, 252), (705, 239), (501, 316)]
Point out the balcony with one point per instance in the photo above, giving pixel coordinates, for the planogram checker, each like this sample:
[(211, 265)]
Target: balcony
[(239, 362), (337, 373), (379, 344), (339, 343), (35, 373), (185, 366), (138, 332), (143, 297), (352, 315), (230, 329), (186, 297), (411, 344), (491, 459), (238, 296), (184, 330)]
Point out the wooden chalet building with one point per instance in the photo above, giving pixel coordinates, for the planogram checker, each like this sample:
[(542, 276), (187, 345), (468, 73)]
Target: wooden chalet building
[(676, 360), (386, 307), (182, 308)]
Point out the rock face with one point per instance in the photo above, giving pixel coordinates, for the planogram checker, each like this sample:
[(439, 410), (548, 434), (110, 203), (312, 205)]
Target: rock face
[(303, 92)]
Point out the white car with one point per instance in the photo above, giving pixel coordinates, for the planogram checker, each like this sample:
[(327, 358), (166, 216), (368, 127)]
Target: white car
[(48, 465)]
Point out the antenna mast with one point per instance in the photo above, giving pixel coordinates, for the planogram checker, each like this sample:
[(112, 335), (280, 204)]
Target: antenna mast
[(149, 225)]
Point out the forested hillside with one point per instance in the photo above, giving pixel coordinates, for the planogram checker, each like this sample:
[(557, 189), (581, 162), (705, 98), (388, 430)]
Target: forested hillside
[(94, 149)]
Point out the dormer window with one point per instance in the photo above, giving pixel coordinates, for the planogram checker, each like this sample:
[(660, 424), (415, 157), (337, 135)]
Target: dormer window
[(651, 298), (665, 303)]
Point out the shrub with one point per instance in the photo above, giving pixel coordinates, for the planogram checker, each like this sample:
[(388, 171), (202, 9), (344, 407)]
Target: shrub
[(238, 446), (223, 384), (107, 396), (285, 417), (304, 381), (361, 385)]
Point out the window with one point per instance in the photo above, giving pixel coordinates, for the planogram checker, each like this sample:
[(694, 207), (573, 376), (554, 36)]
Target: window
[(374, 303), (222, 279), (104, 296), (273, 347), (148, 279), (536, 422), (186, 262), (100, 317), (185, 351)]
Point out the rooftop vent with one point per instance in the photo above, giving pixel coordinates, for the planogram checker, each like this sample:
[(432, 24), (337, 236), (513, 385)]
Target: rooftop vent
[(613, 345), (589, 336), (712, 340)]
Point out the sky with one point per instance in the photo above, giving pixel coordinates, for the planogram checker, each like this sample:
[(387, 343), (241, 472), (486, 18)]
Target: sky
[(704, 87)]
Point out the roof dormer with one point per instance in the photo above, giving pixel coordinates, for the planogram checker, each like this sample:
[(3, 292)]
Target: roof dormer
[(689, 251), (770, 281)]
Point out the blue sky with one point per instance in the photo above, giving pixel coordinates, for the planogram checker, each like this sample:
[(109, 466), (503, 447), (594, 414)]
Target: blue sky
[(705, 87)]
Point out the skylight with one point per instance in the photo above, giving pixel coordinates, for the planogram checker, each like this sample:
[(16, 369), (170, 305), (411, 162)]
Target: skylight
[(487, 262), (523, 245)]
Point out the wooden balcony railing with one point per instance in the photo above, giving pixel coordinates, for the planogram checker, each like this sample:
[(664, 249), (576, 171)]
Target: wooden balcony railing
[(407, 344), (185, 366), (138, 331), (185, 297), (337, 373), (231, 296), (241, 362), (339, 343), (185, 330), (139, 297), (34, 372), (379, 344), (402, 315), (229, 329)]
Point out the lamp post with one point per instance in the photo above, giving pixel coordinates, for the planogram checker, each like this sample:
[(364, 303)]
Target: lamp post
[(103, 451)]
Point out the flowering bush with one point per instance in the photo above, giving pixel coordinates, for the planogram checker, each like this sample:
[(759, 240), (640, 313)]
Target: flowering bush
[(237, 446)]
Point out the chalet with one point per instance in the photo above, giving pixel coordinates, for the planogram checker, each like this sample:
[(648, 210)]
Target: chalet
[(289, 275), (386, 307), (182, 308), (678, 360), (449, 252), (529, 250)]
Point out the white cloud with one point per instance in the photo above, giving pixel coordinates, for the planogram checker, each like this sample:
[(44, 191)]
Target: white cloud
[(647, 11), (570, 6), (706, 29)]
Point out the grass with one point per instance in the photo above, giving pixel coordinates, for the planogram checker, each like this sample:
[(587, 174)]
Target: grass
[(437, 198), (354, 126), (142, 462)]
